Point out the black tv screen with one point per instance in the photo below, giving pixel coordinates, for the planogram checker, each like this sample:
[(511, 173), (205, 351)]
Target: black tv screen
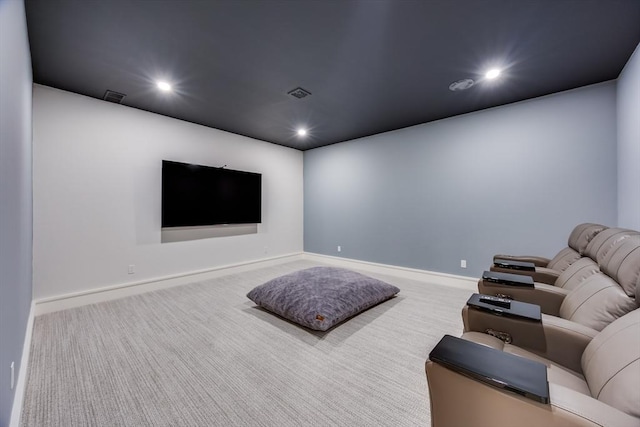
[(194, 195)]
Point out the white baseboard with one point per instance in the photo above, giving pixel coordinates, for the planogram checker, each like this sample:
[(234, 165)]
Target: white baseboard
[(92, 296), (463, 282), (18, 398)]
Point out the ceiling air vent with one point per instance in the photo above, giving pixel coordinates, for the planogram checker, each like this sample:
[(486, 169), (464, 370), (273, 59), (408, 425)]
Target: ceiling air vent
[(463, 84), (299, 93), (112, 96)]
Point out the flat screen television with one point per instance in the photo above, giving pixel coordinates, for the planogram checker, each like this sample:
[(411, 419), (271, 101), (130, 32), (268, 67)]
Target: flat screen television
[(195, 195)]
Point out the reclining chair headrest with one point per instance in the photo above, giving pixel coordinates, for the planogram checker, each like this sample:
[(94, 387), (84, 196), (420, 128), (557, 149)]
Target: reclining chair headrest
[(582, 234), (603, 242), (622, 264), (579, 240)]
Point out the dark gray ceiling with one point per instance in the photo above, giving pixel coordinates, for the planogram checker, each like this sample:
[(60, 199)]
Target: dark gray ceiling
[(371, 66)]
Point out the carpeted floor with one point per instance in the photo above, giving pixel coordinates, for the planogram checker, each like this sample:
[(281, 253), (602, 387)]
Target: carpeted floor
[(204, 355)]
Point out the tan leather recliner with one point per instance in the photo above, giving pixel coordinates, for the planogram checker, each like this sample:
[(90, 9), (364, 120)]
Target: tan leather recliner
[(590, 307), (596, 249), (601, 390), (617, 254), (547, 270)]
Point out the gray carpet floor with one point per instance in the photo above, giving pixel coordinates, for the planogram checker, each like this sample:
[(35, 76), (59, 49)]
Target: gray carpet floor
[(203, 355)]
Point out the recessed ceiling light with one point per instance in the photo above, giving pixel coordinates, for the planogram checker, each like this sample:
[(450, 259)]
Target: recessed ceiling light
[(492, 73), (164, 86), (302, 132)]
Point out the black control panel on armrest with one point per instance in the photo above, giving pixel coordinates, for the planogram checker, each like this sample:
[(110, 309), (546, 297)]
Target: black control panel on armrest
[(505, 307), (508, 279), (503, 370), (514, 265)]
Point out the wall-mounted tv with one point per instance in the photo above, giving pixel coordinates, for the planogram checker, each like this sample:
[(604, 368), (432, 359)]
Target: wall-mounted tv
[(195, 195)]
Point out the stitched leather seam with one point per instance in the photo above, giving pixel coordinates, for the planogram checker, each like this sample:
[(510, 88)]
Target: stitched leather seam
[(616, 278), (585, 301), (586, 362), (595, 254), (578, 413), (612, 376), (622, 261), (578, 271), (574, 331)]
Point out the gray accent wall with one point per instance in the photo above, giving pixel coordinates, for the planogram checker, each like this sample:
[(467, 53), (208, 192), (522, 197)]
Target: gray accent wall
[(15, 194), (513, 179), (629, 143)]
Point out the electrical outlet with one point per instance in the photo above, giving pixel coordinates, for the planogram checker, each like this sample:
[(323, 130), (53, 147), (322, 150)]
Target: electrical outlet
[(339, 248), (132, 269), (463, 263), (13, 376), (266, 249)]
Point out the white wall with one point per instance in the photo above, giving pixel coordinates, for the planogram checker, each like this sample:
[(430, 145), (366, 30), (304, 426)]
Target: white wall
[(97, 194), (628, 115)]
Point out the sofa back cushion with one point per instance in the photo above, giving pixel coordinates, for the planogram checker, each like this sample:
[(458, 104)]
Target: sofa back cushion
[(564, 259), (576, 273), (603, 242), (582, 234), (622, 263), (596, 302)]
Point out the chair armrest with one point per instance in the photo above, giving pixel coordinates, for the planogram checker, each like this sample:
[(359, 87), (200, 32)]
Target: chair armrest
[(548, 297), (538, 261), (458, 400), (558, 340), (545, 275), (566, 341), (496, 368), (508, 278), (540, 274), (505, 307), (514, 265)]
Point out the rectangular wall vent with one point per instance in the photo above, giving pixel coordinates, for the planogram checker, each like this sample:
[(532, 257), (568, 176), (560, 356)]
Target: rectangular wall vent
[(113, 96)]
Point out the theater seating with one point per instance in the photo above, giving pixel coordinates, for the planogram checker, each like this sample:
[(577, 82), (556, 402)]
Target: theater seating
[(616, 252), (596, 249), (547, 270), (597, 387), (580, 348), (588, 308)]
